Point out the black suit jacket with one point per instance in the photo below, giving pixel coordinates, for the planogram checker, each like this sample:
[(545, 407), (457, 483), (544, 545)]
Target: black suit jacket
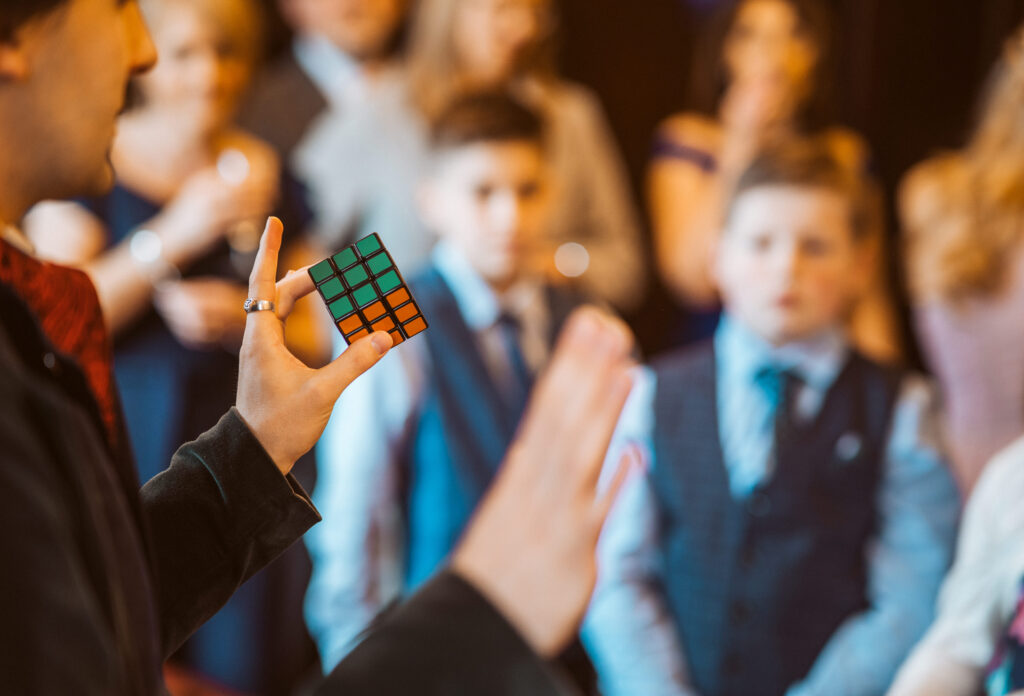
[(101, 581)]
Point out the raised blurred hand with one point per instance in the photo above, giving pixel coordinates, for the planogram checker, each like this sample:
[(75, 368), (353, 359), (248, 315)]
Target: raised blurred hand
[(530, 548), (203, 313), (284, 402), (208, 206), (755, 108)]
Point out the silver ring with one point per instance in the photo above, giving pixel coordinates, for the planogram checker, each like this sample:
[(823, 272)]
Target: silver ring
[(252, 305)]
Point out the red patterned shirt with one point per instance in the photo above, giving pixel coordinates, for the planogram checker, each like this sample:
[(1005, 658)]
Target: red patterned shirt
[(68, 309)]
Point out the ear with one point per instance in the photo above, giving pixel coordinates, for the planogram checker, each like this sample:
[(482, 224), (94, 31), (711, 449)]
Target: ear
[(14, 63)]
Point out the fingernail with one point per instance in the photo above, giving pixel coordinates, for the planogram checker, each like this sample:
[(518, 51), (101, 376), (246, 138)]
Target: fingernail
[(381, 342), (587, 325)]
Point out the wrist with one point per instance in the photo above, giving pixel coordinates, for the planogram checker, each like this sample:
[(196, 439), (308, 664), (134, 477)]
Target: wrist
[(502, 596), (266, 438), (147, 250)]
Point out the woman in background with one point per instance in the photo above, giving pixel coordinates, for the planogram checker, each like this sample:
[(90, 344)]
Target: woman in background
[(169, 251), (760, 78), (963, 219), (457, 46)]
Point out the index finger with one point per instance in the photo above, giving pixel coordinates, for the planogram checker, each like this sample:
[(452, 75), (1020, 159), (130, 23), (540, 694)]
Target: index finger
[(262, 282)]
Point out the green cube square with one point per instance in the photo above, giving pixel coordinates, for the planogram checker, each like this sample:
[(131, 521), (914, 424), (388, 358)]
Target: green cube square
[(378, 264), (344, 259), (341, 307), (356, 275), (364, 295), (388, 282), (368, 245), (332, 288), (321, 272)]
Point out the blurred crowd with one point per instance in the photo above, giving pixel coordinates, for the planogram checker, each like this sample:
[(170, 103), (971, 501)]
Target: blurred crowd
[(798, 526)]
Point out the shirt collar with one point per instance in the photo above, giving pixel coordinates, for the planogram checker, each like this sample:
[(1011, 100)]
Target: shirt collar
[(816, 360), (337, 75), (479, 305)]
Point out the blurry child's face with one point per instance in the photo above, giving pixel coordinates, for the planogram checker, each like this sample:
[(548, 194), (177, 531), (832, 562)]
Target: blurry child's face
[(489, 201), (766, 45), (788, 265), (361, 28), (491, 36), (204, 66)]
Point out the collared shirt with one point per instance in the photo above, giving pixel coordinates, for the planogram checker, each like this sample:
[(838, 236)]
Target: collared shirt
[(357, 550), (342, 80), (979, 595), (746, 414), (628, 630)]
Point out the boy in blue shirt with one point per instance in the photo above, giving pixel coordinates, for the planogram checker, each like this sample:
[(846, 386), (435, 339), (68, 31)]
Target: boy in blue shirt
[(797, 515), (413, 447)]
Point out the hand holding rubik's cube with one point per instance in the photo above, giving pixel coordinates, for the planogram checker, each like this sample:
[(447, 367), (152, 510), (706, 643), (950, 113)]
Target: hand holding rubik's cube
[(365, 292)]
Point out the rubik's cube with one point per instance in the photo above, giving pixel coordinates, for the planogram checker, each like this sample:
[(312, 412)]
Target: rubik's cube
[(365, 292)]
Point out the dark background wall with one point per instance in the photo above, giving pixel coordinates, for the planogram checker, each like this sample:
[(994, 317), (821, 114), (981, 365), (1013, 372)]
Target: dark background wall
[(908, 72)]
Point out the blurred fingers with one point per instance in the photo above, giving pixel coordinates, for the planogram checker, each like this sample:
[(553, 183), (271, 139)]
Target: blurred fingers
[(596, 433), (630, 464)]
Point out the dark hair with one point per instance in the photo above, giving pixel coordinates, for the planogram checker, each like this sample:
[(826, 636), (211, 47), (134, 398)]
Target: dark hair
[(710, 78), (485, 117), (809, 163), (14, 13)]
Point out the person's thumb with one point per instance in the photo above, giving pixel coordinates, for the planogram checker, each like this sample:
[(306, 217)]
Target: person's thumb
[(357, 359)]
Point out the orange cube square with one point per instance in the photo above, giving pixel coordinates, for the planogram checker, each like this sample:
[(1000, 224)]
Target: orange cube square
[(351, 324), (374, 311), (414, 327), (399, 296), (407, 312), (385, 324)]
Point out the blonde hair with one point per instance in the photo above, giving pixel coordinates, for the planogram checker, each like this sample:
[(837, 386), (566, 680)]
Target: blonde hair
[(970, 228), (241, 21), (434, 73)]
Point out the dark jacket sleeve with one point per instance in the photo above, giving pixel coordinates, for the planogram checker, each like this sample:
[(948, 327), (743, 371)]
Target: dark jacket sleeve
[(54, 635), (446, 639), (218, 514)]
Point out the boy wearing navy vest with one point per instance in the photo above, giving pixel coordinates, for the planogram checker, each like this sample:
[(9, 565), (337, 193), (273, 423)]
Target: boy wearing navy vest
[(797, 515), (411, 449)]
